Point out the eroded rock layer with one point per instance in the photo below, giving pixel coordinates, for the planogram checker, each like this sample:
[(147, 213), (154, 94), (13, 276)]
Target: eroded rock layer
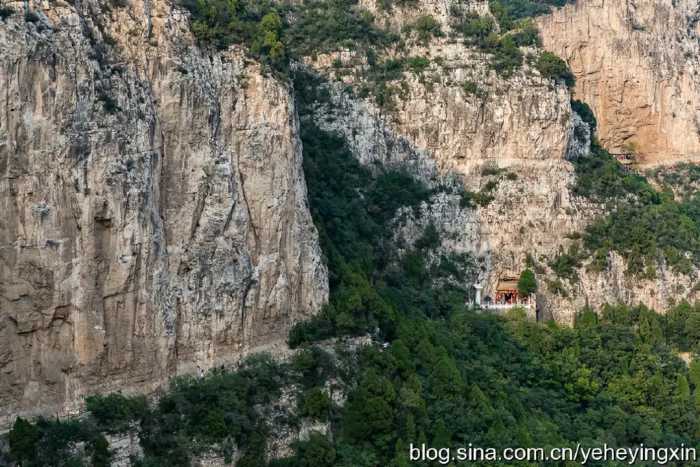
[(154, 212)]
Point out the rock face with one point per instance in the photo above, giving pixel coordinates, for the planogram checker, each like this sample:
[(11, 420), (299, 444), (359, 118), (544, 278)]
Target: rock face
[(636, 64), (154, 207), (124, 447)]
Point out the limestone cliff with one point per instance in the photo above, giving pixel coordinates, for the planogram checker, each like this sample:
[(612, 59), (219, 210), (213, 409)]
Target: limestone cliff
[(154, 206), (636, 64)]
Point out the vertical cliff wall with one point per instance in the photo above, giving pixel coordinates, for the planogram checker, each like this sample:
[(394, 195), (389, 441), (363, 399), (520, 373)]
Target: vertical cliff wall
[(154, 206), (636, 64)]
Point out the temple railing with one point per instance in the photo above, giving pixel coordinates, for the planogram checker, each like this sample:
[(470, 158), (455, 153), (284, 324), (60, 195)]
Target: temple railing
[(505, 306)]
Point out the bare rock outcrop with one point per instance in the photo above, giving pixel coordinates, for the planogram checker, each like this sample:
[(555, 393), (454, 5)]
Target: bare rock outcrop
[(154, 207), (636, 65)]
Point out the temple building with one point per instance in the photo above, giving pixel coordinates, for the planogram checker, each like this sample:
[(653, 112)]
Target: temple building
[(507, 292), (507, 297)]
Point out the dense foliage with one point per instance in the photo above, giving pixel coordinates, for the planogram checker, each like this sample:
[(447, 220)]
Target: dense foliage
[(252, 22), (645, 226), (602, 178), (221, 409), (56, 443), (263, 27), (446, 381), (553, 67), (509, 12), (328, 25), (115, 412), (504, 45), (275, 33)]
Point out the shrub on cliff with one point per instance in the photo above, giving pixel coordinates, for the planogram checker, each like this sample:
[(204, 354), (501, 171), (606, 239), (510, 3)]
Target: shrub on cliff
[(23, 439), (586, 113), (566, 263), (57, 443), (327, 25), (115, 412), (602, 178), (527, 34), (256, 24), (315, 404), (507, 57), (508, 12), (426, 26), (476, 29), (552, 67)]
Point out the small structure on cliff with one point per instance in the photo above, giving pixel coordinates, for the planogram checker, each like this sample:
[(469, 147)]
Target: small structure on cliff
[(507, 297), (625, 158), (507, 291)]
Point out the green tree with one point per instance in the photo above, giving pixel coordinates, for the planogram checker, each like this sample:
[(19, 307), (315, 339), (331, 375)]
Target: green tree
[(315, 404), (267, 42), (476, 29), (23, 439), (114, 412), (586, 318), (442, 438), (101, 455), (507, 56), (527, 283), (318, 451), (401, 455), (427, 26), (369, 412)]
